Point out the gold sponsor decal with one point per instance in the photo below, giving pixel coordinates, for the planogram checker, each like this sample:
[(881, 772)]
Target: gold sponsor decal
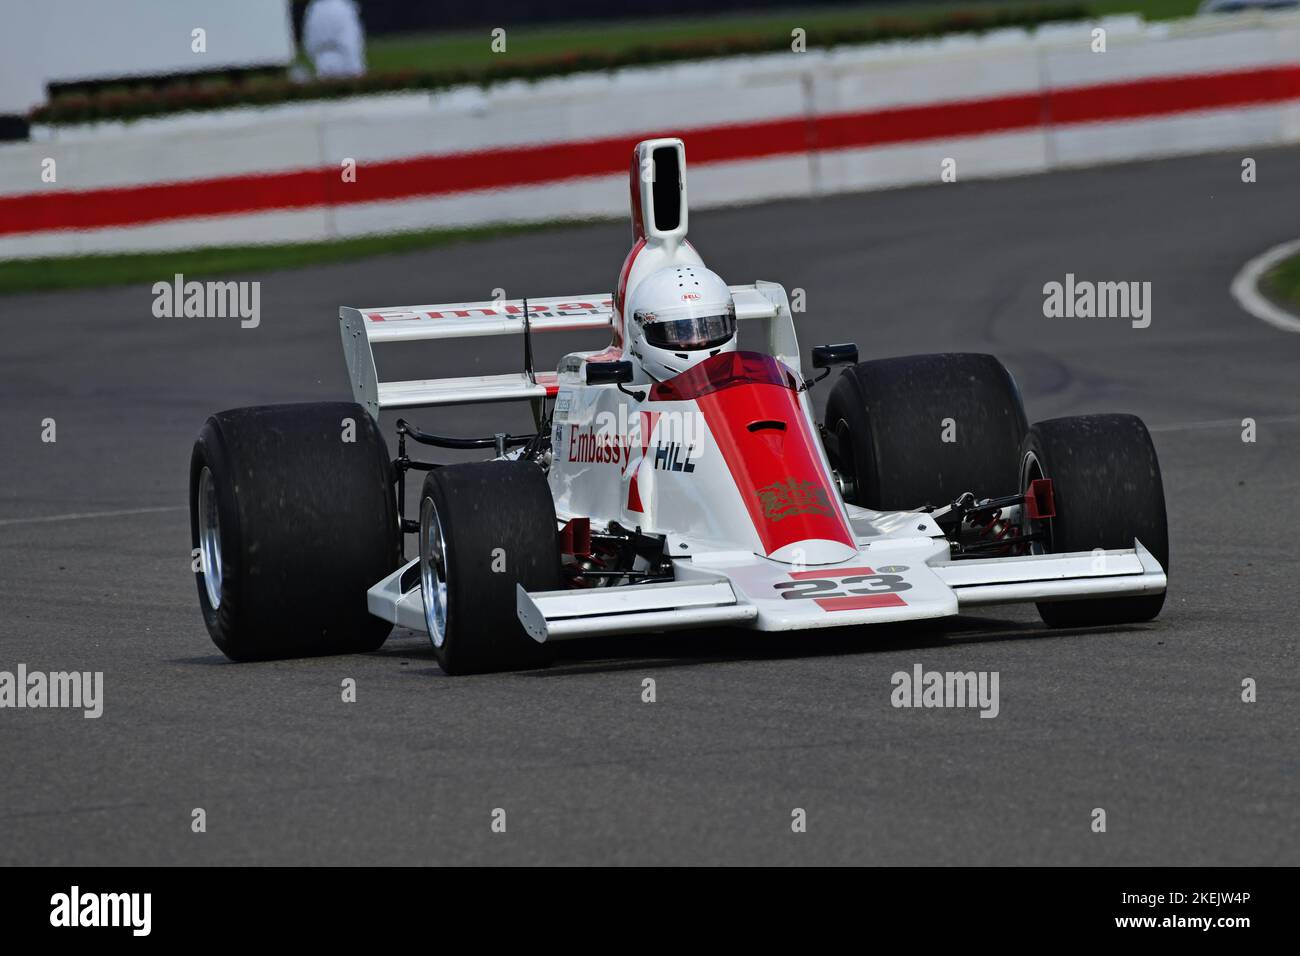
[(781, 499)]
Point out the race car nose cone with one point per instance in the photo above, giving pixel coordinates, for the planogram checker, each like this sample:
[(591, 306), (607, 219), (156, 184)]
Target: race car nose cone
[(814, 551)]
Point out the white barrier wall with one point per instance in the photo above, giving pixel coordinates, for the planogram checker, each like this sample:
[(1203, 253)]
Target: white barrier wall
[(756, 128), (60, 41)]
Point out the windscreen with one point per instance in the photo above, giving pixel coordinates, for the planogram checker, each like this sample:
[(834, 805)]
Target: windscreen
[(702, 332)]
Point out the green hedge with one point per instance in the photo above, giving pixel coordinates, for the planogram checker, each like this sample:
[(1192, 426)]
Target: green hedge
[(207, 95)]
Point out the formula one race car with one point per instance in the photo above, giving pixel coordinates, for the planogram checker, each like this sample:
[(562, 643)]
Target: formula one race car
[(675, 480)]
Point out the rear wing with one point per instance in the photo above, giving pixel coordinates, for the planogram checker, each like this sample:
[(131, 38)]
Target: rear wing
[(362, 329)]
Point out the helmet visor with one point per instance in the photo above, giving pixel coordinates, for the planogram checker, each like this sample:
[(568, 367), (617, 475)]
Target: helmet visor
[(701, 332)]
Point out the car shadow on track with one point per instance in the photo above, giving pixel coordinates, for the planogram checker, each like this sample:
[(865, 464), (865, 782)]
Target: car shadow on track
[(690, 648), (668, 649)]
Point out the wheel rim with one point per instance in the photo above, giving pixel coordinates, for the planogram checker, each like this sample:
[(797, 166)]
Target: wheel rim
[(846, 465), (209, 537), (1031, 470), (433, 572)]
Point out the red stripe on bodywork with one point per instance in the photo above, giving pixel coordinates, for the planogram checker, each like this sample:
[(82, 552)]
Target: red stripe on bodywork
[(860, 602), (828, 574), (532, 165), (620, 291), (755, 461)]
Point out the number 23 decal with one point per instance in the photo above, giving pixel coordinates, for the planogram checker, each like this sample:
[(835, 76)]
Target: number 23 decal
[(874, 584)]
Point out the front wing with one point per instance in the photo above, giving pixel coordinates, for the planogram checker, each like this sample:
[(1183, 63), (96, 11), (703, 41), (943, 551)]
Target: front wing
[(889, 580)]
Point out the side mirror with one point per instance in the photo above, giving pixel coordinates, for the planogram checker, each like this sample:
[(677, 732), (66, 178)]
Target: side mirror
[(609, 373), (826, 356)]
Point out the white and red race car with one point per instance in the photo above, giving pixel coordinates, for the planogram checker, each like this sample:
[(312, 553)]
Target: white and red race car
[(675, 480)]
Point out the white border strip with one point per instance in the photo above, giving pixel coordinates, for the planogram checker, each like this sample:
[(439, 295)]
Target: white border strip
[(91, 514), (1245, 288)]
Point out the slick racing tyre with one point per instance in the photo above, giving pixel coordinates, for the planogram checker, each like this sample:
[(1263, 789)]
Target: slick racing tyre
[(485, 527), (293, 517), (924, 429), (1107, 489)]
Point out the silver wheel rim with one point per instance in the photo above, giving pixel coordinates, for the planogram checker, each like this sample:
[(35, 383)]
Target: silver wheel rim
[(433, 572), (209, 537)]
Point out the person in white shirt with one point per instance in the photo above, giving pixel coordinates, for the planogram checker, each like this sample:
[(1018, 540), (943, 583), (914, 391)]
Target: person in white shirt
[(333, 37)]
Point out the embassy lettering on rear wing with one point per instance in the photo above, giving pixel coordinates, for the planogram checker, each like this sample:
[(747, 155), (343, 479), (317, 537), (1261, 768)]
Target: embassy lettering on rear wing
[(540, 310)]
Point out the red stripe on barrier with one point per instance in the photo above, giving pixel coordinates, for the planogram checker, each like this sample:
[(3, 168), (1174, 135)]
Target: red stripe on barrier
[(430, 176), (1175, 94), (939, 121)]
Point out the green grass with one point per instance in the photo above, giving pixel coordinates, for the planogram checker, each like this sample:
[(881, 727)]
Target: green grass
[(75, 272), (1282, 283), (1150, 9), (472, 48)]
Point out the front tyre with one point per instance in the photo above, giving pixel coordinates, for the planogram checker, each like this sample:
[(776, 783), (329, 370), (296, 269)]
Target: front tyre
[(292, 518), (924, 429), (485, 527), (1106, 482)]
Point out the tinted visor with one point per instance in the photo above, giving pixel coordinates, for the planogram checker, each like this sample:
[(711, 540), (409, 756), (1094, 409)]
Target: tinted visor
[(704, 332)]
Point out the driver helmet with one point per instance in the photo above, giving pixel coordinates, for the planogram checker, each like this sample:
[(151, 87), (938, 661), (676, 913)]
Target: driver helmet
[(680, 316)]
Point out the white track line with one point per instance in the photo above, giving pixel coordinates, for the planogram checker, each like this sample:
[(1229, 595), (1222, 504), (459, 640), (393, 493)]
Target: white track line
[(93, 514), (1245, 288)]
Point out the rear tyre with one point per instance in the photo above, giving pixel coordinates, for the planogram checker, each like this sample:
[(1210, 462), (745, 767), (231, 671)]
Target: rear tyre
[(485, 527), (293, 514), (888, 419), (1108, 491)]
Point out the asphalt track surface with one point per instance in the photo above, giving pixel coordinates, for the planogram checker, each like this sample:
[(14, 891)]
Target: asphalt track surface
[(1146, 721)]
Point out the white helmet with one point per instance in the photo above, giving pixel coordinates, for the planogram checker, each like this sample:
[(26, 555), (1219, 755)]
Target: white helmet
[(678, 317)]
